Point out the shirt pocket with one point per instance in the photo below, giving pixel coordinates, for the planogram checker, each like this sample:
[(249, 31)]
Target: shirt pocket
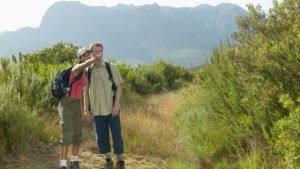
[(104, 75)]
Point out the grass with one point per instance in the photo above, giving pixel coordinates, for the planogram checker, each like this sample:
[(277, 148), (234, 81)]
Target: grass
[(180, 164), (51, 131), (148, 129)]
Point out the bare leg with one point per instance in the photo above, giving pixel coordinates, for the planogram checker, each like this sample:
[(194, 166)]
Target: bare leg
[(75, 150), (63, 152)]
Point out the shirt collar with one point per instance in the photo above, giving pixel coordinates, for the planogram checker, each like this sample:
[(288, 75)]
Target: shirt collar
[(102, 64)]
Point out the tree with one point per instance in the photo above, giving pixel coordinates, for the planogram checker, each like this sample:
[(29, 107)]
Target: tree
[(59, 53)]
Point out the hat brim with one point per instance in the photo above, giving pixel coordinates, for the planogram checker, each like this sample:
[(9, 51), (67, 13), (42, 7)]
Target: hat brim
[(83, 52)]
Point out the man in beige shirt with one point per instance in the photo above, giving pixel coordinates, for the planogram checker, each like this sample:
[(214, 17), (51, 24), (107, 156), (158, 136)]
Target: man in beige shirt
[(103, 97)]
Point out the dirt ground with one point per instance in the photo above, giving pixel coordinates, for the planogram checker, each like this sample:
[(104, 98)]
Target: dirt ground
[(46, 156)]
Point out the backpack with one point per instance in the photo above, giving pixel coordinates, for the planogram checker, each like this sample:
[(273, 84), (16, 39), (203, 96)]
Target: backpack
[(108, 69), (61, 86)]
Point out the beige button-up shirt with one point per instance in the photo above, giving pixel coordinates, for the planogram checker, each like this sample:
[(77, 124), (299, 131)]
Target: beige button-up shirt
[(100, 91)]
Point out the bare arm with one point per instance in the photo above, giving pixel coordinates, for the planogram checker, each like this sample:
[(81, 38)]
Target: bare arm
[(116, 108), (81, 66), (86, 105), (86, 100)]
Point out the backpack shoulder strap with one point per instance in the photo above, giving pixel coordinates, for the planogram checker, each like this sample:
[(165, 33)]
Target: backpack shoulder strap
[(108, 68), (89, 73), (75, 80)]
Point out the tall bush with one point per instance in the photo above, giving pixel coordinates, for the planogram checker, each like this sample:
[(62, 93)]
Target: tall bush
[(242, 92)]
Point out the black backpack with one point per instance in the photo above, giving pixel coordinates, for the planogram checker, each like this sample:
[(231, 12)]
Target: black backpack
[(113, 86), (61, 86)]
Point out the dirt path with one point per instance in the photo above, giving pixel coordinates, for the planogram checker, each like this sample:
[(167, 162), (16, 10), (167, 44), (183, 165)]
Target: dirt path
[(43, 156)]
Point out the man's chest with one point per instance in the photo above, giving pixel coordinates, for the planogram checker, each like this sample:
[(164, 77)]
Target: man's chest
[(100, 75)]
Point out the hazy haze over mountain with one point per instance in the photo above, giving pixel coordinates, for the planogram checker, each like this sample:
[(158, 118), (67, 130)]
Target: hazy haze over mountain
[(137, 34)]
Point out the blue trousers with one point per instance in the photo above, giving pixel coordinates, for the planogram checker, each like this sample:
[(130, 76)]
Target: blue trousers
[(101, 127)]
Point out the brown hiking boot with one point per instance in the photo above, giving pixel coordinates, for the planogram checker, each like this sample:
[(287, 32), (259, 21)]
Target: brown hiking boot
[(108, 165), (120, 165)]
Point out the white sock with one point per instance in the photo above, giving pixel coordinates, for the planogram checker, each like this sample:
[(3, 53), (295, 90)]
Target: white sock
[(120, 158), (63, 163), (74, 158), (109, 157)]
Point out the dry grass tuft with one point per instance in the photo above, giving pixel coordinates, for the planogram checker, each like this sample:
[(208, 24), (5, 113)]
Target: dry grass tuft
[(147, 125)]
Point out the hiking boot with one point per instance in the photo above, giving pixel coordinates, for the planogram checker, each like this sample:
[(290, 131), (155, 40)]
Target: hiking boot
[(74, 165), (108, 165), (63, 167), (120, 165)]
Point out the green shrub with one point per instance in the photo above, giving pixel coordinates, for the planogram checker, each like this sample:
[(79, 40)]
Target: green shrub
[(158, 77), (254, 161), (187, 76), (155, 78), (171, 74), (286, 133), (240, 92), (4, 70), (127, 75), (58, 54), (18, 125), (23, 95), (141, 84)]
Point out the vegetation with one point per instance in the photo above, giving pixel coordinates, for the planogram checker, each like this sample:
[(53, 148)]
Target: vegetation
[(245, 113), (27, 104)]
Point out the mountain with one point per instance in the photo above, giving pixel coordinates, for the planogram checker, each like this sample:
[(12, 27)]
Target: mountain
[(137, 34)]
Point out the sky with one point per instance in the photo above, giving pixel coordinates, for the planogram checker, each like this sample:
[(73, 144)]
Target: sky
[(15, 14)]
